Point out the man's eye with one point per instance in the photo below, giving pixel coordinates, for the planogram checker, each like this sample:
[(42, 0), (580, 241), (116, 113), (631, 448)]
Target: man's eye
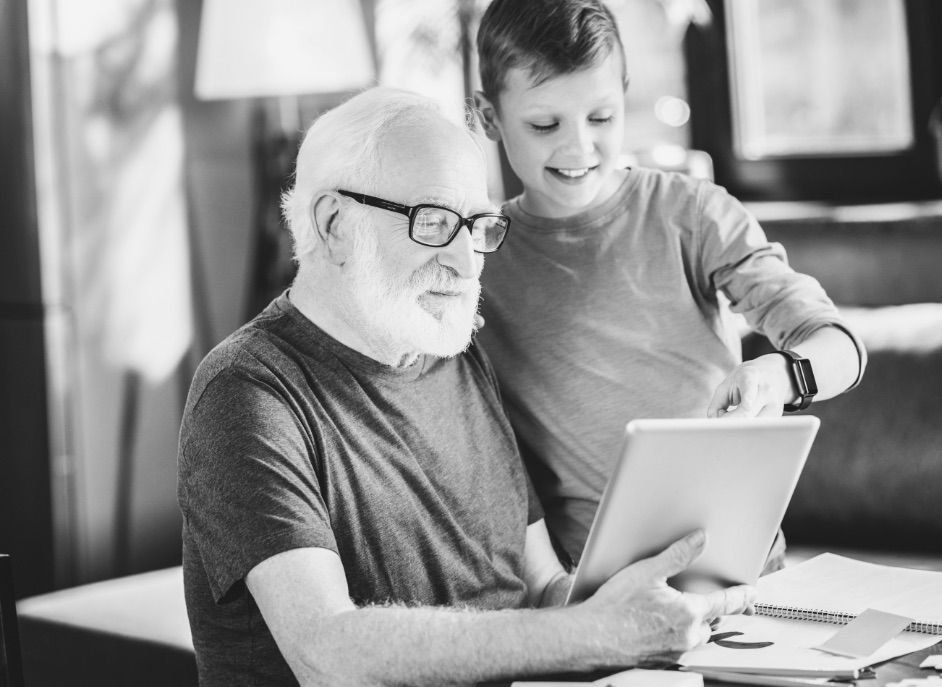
[(432, 221), (544, 128)]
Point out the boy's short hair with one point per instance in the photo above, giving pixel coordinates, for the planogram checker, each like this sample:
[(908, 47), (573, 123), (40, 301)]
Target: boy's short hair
[(546, 37)]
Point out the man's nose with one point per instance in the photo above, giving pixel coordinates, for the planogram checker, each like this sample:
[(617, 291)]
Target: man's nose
[(460, 256)]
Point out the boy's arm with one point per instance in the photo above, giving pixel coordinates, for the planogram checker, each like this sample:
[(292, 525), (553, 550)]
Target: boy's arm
[(790, 308), (634, 618), (761, 387)]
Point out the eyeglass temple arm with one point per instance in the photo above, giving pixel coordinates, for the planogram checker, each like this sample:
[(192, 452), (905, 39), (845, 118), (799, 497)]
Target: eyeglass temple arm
[(378, 203)]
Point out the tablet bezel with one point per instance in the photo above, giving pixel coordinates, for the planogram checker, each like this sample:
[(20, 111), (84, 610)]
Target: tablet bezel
[(732, 477)]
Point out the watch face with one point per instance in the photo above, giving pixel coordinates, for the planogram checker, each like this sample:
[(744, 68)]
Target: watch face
[(807, 386)]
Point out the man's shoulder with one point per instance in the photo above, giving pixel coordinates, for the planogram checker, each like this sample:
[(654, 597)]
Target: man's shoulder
[(266, 347), (249, 343)]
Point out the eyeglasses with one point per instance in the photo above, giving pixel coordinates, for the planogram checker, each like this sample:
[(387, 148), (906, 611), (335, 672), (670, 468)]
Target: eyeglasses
[(433, 225)]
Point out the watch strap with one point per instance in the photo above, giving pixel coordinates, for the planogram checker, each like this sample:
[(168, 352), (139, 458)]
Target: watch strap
[(803, 376)]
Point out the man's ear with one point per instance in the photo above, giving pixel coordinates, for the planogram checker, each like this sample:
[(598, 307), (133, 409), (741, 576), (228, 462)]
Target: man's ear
[(325, 218), (487, 113)]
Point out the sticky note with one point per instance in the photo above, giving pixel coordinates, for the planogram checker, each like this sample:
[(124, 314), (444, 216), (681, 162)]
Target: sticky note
[(865, 634)]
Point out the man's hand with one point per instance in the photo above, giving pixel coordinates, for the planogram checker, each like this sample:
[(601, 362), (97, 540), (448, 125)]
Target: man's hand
[(643, 621), (755, 388)]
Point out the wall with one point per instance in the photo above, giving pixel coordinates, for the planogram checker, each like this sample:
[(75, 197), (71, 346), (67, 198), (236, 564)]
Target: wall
[(144, 218), (25, 498)]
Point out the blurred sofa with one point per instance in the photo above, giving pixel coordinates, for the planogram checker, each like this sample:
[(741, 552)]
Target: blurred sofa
[(872, 486), (127, 631)]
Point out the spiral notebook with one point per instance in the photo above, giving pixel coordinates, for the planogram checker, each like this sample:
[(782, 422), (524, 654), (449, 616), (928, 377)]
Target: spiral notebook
[(803, 606), (834, 589)]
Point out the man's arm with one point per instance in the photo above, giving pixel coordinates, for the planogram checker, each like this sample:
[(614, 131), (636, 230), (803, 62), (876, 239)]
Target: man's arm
[(761, 387), (633, 618), (547, 581)]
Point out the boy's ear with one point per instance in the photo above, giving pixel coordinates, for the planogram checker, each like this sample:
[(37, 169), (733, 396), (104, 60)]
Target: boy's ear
[(487, 113), (325, 218)]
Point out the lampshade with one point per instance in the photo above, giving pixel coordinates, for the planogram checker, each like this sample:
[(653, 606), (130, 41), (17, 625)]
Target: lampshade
[(258, 48)]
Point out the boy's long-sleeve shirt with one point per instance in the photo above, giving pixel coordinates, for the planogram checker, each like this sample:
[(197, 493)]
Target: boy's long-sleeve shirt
[(613, 314)]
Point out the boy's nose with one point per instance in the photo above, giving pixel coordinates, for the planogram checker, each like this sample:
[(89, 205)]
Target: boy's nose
[(579, 141)]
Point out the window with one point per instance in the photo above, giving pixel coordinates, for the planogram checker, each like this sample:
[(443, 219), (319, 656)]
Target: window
[(819, 99)]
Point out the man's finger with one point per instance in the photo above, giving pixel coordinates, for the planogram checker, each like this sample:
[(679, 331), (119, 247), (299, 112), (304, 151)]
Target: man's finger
[(728, 601), (675, 558), (706, 630)]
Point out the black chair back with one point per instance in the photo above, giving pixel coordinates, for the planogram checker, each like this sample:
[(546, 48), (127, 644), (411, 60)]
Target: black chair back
[(11, 662)]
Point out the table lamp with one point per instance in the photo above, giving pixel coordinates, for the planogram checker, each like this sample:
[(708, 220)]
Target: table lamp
[(276, 51)]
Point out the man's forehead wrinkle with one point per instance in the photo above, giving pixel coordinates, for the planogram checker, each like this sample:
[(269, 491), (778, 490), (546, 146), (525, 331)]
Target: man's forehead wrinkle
[(445, 203), (437, 164), (461, 202)]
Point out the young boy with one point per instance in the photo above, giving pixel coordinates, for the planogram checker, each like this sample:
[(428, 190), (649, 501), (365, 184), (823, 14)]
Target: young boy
[(602, 305)]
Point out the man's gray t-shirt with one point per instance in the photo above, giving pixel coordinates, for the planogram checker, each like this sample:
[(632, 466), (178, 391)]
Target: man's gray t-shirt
[(291, 439)]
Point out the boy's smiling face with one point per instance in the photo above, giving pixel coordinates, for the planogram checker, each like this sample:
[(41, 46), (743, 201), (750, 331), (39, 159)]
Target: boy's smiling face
[(563, 136)]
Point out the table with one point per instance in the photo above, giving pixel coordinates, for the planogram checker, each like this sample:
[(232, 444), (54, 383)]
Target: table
[(891, 671)]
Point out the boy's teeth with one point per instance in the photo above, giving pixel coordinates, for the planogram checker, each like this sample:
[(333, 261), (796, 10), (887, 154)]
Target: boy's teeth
[(574, 173)]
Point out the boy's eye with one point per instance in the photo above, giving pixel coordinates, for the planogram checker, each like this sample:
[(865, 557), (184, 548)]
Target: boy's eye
[(544, 128), (601, 120)]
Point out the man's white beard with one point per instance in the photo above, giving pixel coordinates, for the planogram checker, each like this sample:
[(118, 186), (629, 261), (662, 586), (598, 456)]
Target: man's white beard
[(388, 309)]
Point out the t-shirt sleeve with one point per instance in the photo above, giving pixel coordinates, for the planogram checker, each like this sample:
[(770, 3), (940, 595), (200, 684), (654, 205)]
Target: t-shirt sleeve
[(248, 480), (738, 260)]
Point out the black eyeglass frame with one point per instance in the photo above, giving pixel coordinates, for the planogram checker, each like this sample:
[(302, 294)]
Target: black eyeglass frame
[(412, 211)]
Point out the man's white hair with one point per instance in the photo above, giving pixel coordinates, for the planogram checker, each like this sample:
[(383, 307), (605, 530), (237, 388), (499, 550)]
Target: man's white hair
[(341, 149)]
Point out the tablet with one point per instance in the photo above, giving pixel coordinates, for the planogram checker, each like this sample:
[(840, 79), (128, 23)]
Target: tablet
[(732, 478)]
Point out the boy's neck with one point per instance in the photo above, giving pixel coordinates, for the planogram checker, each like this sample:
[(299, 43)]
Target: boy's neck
[(539, 206)]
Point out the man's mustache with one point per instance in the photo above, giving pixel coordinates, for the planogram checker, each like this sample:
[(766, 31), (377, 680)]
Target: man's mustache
[(442, 279)]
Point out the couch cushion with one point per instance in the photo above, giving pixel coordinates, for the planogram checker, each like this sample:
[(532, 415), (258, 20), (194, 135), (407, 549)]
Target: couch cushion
[(131, 630)]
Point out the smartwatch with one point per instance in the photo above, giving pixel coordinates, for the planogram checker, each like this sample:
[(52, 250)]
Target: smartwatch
[(803, 377)]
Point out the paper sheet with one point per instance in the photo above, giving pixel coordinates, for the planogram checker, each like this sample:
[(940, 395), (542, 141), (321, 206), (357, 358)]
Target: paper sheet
[(932, 662), (833, 583), (827, 582), (792, 643)]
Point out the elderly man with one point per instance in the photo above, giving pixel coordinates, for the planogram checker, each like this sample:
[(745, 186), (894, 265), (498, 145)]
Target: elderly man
[(355, 509)]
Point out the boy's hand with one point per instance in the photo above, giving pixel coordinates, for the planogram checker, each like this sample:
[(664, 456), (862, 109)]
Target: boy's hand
[(755, 388), (641, 620)]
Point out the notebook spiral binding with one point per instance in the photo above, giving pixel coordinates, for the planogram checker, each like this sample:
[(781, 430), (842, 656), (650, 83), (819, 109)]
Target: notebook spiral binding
[(819, 616)]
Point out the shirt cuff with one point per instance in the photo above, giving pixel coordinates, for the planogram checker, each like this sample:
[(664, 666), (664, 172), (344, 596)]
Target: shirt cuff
[(861, 352)]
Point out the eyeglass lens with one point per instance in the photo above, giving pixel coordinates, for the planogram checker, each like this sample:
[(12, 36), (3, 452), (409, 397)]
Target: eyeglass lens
[(435, 226)]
